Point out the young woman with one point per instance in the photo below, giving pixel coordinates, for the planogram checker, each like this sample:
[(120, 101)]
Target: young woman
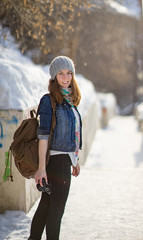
[(64, 147)]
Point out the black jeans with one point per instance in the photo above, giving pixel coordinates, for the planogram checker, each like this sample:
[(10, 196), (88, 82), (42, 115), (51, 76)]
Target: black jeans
[(51, 207)]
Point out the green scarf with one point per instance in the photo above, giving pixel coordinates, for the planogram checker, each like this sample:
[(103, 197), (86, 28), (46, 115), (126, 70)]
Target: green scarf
[(66, 93)]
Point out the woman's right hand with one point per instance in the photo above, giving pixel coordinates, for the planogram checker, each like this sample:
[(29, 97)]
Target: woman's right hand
[(39, 175)]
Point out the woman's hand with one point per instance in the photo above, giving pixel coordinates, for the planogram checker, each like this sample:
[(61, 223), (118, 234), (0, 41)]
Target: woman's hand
[(76, 170), (39, 175)]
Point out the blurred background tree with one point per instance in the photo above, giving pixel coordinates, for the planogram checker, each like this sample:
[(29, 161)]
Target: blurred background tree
[(44, 26)]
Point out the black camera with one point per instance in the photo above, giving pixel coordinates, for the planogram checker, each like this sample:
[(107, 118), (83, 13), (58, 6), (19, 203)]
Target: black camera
[(46, 187)]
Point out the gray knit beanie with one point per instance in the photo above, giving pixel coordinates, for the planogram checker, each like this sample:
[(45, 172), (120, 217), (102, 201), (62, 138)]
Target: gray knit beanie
[(61, 63)]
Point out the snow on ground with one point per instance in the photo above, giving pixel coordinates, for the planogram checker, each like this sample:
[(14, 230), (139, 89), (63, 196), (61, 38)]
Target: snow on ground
[(106, 200), (124, 139)]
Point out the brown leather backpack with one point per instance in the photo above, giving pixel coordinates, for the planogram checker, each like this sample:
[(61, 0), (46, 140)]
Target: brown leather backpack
[(24, 147)]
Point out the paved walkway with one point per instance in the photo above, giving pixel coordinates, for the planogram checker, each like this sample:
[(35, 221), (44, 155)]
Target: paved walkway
[(106, 201)]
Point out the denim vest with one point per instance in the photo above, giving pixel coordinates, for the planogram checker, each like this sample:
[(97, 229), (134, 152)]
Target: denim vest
[(63, 138)]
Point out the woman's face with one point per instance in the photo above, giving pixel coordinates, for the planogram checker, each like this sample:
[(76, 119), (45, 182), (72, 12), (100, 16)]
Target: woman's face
[(64, 78)]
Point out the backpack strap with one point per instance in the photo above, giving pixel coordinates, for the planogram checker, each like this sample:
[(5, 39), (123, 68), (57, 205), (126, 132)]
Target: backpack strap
[(8, 166), (53, 104), (33, 113)]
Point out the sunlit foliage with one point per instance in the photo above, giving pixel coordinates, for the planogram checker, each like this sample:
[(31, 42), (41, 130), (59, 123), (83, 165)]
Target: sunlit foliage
[(44, 25)]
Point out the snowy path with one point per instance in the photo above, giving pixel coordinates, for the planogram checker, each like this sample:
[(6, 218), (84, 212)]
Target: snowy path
[(120, 146), (106, 201)]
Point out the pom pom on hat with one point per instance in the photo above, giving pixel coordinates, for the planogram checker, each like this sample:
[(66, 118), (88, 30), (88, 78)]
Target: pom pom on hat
[(61, 63)]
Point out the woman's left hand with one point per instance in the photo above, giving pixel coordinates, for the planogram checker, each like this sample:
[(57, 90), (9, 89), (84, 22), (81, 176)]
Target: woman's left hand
[(76, 170)]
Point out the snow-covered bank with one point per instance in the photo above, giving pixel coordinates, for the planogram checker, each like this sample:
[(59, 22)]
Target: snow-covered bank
[(20, 80)]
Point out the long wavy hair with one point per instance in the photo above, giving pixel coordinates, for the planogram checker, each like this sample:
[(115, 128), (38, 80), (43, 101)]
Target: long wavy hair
[(54, 89)]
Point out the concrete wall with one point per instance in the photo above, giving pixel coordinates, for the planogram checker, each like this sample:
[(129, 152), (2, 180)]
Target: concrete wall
[(90, 122), (21, 193), (108, 107)]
